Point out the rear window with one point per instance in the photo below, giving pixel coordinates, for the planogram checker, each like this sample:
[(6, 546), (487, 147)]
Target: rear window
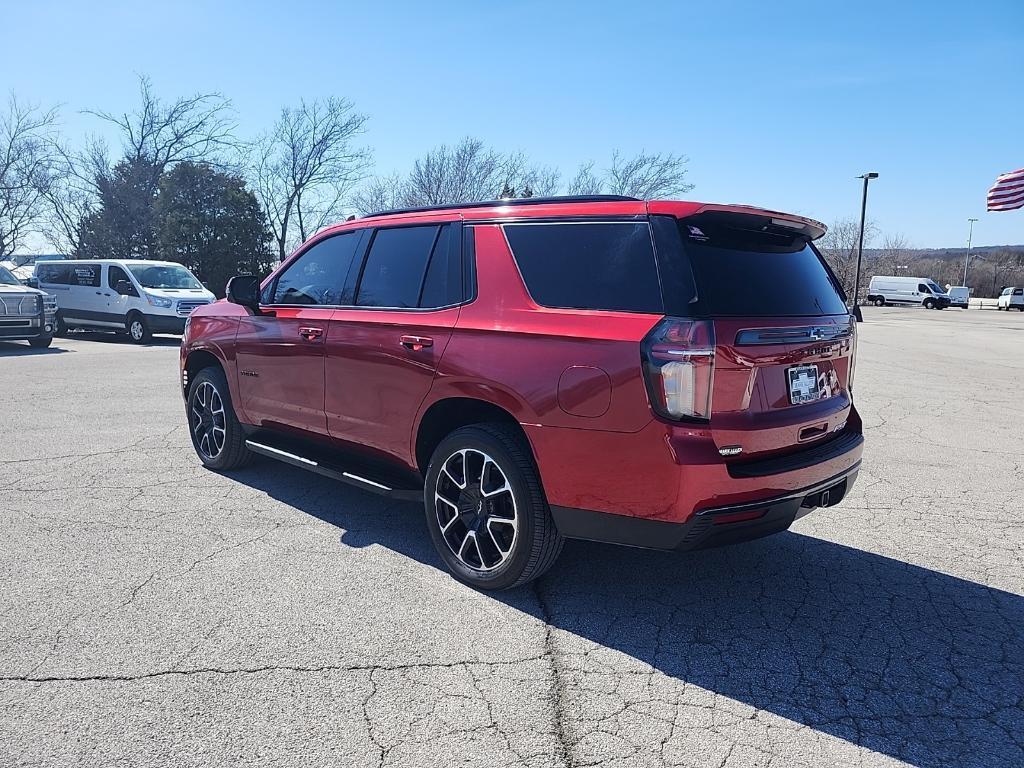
[(588, 265), (758, 273)]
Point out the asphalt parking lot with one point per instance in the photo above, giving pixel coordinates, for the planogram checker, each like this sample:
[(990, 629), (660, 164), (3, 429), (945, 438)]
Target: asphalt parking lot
[(155, 613)]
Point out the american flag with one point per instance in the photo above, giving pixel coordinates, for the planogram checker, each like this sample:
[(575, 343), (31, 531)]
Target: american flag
[(1008, 192)]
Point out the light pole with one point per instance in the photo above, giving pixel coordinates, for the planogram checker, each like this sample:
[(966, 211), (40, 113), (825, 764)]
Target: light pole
[(860, 241), (970, 236)]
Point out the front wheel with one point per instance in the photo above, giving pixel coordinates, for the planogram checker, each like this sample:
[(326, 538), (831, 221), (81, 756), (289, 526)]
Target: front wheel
[(216, 432), (137, 328), (486, 510), (880, 302), (929, 304), (40, 342)]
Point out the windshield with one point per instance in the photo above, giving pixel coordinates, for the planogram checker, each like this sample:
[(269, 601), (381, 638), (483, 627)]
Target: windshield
[(935, 288), (175, 276), (6, 278)]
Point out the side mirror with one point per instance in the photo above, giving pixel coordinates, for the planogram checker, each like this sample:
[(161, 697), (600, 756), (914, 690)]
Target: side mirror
[(244, 290), (124, 288), (857, 314)]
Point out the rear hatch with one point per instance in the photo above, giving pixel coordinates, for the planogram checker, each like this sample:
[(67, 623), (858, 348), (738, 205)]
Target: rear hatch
[(783, 339)]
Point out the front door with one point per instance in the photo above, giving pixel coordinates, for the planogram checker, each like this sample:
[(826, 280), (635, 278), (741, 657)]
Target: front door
[(382, 353), (118, 304), (280, 352)]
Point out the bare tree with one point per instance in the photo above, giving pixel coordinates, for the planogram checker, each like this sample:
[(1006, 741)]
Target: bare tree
[(839, 247), (471, 171), (648, 177), (195, 128), (73, 192), (894, 255), (26, 160), (306, 166), (1003, 265), (585, 182), (381, 193)]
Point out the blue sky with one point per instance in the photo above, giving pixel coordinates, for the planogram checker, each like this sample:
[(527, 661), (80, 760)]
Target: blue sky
[(780, 104)]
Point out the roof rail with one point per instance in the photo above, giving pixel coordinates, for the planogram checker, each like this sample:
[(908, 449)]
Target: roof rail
[(510, 201)]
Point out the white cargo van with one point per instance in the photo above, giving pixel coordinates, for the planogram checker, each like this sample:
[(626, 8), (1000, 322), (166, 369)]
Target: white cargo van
[(959, 295), (922, 291), (139, 298)]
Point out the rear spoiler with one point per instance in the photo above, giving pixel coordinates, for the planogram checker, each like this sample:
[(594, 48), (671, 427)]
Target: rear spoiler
[(809, 227)]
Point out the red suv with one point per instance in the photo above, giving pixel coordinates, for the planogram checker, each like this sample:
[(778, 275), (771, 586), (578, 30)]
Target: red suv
[(671, 375)]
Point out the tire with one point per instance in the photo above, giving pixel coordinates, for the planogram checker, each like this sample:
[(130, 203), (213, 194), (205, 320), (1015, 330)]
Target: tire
[(880, 301), (137, 328), (929, 304), (208, 390), (521, 541), (40, 342), (60, 328)]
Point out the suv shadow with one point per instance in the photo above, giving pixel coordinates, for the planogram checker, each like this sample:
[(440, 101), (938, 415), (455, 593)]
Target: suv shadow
[(903, 660)]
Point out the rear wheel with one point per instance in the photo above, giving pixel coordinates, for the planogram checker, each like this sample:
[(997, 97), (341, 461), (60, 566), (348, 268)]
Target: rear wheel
[(137, 328), (216, 432), (486, 510)]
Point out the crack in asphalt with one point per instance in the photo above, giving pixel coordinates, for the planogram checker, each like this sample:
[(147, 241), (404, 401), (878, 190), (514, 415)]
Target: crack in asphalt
[(269, 668)]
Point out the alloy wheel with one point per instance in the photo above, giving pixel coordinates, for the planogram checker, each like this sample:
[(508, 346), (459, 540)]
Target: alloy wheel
[(208, 423), (476, 509), (137, 330)]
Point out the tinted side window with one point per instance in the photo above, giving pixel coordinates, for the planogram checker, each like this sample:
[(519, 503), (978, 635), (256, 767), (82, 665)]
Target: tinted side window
[(922, 288), (395, 266), (607, 266), (115, 275), (442, 285), (318, 275), (55, 274)]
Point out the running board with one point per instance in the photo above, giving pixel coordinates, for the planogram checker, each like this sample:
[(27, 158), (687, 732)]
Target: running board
[(333, 472)]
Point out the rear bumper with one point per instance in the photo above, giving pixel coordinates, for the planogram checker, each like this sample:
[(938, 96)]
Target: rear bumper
[(707, 528), (671, 473)]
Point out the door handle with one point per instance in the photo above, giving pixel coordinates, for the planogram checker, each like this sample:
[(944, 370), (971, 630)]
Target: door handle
[(416, 343), (311, 334)]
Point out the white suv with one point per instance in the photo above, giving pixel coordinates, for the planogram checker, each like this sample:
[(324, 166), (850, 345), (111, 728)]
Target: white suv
[(1011, 298)]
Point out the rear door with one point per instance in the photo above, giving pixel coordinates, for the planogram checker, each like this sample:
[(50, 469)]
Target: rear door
[(280, 352), (784, 336), (382, 352)]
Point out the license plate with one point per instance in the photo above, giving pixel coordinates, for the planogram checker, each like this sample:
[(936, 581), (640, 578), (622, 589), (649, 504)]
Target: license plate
[(803, 384)]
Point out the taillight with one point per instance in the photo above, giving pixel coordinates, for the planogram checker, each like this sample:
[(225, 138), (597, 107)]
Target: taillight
[(679, 366), (853, 356)]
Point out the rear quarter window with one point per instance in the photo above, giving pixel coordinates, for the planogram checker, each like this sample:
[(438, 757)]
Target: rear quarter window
[(588, 265)]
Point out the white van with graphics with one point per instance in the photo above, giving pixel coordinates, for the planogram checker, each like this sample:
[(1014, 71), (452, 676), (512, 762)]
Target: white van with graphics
[(139, 298)]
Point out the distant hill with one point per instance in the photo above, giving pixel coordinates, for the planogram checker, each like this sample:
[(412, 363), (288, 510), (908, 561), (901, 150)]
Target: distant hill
[(951, 254)]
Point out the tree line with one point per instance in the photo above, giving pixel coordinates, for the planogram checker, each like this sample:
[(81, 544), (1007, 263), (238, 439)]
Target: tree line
[(892, 254), (181, 185)]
